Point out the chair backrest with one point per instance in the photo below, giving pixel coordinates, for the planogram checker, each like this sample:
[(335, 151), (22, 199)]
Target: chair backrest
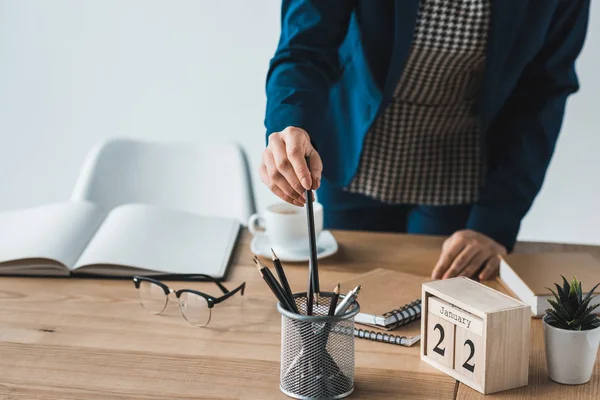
[(208, 178)]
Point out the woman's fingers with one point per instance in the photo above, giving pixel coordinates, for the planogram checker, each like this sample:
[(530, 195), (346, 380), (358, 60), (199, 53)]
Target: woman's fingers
[(297, 147), (278, 192), (491, 268), (316, 169), (451, 248), (472, 269), (276, 182), (284, 166), (461, 262), (284, 169)]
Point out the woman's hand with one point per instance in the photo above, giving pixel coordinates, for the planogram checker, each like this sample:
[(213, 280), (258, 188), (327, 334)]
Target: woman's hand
[(465, 252), (283, 168)]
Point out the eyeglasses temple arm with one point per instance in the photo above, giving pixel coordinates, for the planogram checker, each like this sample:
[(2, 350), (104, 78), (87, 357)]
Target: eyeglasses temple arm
[(227, 295), (203, 277)]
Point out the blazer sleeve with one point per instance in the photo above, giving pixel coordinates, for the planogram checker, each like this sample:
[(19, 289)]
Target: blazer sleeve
[(530, 120), (306, 62)]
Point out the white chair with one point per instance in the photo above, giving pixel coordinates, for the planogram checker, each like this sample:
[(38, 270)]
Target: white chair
[(208, 178)]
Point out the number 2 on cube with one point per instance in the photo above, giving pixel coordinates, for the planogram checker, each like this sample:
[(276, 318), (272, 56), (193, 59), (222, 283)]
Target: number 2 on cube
[(440, 340), (466, 365), (469, 354)]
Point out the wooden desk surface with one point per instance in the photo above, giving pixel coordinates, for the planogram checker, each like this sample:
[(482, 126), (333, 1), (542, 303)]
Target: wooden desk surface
[(90, 339)]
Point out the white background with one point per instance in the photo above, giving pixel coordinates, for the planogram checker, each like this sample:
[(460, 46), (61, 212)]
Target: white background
[(75, 72)]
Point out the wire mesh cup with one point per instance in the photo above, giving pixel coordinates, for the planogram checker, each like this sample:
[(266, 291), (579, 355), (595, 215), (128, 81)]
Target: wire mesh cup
[(317, 352)]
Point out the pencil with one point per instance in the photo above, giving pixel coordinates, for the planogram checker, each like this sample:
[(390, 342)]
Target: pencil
[(271, 284), (334, 300), (283, 280), (287, 301), (310, 216), (309, 296)]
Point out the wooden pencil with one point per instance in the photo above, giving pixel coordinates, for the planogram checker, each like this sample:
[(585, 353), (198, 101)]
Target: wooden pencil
[(283, 281), (309, 296), (334, 300), (273, 285), (312, 241)]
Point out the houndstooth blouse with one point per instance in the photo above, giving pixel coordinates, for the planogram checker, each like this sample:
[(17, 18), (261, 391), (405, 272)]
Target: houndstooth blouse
[(425, 147)]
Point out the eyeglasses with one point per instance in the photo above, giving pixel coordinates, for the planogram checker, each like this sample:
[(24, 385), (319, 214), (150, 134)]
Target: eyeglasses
[(196, 307)]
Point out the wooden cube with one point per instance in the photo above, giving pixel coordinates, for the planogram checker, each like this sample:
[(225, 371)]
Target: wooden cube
[(475, 334)]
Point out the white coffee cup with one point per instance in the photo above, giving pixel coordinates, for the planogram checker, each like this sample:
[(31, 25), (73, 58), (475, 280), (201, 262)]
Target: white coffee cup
[(286, 226)]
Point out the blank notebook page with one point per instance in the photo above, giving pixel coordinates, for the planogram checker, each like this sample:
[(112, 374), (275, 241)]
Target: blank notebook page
[(56, 231), (161, 240)]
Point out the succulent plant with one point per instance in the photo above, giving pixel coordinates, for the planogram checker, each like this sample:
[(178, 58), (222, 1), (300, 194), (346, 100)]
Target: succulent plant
[(571, 309)]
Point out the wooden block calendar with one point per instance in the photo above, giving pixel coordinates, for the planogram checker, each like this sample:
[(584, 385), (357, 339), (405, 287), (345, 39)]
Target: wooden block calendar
[(475, 334)]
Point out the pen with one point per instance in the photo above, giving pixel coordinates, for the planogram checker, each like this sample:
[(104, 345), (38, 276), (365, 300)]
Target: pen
[(347, 301)]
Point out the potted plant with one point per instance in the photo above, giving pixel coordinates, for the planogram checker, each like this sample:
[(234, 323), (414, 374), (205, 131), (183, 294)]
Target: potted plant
[(572, 333)]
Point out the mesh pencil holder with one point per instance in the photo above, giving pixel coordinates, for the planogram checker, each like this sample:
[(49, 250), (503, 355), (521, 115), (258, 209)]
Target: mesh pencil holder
[(317, 352)]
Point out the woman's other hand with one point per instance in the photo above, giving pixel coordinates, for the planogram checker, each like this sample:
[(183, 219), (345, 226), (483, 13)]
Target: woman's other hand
[(465, 252), (283, 168)]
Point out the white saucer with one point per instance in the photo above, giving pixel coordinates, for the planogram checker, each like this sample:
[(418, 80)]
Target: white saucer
[(326, 246)]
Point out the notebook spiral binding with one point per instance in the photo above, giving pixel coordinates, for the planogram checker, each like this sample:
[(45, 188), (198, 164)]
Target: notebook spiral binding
[(404, 315), (385, 337)]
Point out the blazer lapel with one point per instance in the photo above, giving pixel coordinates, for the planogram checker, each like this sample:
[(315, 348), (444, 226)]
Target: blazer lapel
[(507, 19), (405, 20)]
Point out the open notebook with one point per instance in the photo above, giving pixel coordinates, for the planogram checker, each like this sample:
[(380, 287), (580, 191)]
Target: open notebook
[(133, 239)]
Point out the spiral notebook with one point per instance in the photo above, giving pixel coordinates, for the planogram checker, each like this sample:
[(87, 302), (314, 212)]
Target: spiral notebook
[(389, 300), (405, 335)]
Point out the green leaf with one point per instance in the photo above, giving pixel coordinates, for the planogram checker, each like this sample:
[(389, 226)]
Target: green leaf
[(592, 308), (558, 324), (591, 292), (560, 310), (595, 324), (552, 313), (566, 286), (555, 295), (589, 321), (557, 321), (571, 306), (562, 296), (574, 286), (579, 292), (583, 309)]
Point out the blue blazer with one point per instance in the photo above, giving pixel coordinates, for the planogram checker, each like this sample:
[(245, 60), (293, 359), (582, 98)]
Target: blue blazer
[(338, 62)]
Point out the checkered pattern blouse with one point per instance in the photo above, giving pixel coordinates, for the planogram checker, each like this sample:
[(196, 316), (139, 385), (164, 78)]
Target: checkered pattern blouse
[(425, 147)]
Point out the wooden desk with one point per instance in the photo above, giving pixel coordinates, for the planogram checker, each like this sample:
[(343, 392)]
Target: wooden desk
[(90, 339)]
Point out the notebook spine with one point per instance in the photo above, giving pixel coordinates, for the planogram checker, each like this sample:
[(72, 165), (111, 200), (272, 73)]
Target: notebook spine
[(381, 337), (404, 315)]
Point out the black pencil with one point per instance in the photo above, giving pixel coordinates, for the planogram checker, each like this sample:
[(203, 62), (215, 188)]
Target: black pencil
[(312, 241), (273, 285), (334, 300), (309, 296), (279, 289), (283, 281)]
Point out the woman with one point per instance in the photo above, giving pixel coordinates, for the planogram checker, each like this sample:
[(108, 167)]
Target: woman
[(432, 116)]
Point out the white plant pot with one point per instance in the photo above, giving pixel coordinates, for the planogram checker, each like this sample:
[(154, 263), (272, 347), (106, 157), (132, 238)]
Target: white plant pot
[(570, 355)]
